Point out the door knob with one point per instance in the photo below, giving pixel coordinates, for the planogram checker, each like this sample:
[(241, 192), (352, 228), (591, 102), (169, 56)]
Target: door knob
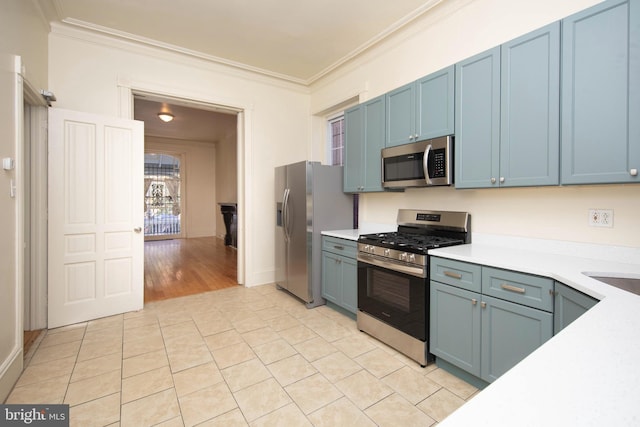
[(137, 229)]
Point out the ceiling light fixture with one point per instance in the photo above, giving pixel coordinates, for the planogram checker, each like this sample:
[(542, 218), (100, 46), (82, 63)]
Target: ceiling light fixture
[(165, 117)]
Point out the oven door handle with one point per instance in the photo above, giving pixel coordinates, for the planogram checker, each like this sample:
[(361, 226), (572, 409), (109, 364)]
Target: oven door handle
[(401, 268)]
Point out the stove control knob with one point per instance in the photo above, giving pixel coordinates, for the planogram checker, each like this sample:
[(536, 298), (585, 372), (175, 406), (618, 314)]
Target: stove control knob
[(403, 256), (412, 258), (387, 252)]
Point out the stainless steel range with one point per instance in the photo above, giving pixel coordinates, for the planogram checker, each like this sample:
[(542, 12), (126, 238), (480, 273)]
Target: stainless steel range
[(393, 277)]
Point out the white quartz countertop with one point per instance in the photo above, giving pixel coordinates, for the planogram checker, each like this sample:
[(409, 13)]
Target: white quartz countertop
[(353, 234), (586, 375)]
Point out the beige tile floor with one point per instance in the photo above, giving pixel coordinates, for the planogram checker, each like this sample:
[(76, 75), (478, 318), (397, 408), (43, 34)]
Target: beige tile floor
[(235, 357)]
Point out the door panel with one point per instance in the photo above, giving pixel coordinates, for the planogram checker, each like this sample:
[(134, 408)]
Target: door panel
[(95, 216)]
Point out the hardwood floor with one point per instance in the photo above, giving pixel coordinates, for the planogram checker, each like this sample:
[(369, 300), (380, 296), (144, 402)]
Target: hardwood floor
[(179, 267), (29, 338)]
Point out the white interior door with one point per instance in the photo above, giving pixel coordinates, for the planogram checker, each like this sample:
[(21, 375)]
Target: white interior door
[(96, 244)]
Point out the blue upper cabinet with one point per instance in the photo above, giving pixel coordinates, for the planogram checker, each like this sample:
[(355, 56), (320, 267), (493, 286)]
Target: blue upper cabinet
[(530, 109), (353, 149), (601, 94), (435, 104), (508, 114), (422, 109), (364, 138), (401, 115), (477, 120)]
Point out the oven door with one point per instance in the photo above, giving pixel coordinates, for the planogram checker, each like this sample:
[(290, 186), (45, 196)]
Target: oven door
[(396, 298)]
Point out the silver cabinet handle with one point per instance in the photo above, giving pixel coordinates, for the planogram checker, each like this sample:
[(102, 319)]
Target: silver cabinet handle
[(474, 301), (502, 179), (483, 304), (633, 172), (452, 274), (137, 229), (338, 247), (493, 180), (512, 288)]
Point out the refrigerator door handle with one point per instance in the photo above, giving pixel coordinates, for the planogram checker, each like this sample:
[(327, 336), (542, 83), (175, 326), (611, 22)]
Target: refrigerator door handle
[(285, 214)]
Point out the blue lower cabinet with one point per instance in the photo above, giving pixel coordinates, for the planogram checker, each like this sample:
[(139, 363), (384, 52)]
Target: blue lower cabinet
[(340, 273), (480, 335)]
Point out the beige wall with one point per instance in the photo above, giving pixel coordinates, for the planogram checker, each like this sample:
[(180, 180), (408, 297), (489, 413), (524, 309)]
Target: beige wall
[(87, 73), (198, 173), (22, 33), (453, 31), (226, 175)]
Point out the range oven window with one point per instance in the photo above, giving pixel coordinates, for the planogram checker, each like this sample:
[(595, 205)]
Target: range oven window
[(389, 288), (398, 299)]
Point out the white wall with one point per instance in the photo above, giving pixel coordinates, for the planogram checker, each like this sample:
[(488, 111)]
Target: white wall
[(454, 31), (198, 172), (85, 72)]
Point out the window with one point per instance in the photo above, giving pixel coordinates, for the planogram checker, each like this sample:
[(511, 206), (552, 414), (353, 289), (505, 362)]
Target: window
[(336, 139), (162, 195)]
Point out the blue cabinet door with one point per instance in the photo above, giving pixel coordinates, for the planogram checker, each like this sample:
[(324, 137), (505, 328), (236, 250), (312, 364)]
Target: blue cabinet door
[(401, 115), (601, 94), (568, 305), (454, 326), (353, 149), (374, 134), (331, 277), (477, 120), (510, 332), (350, 284), (530, 109), (435, 104)]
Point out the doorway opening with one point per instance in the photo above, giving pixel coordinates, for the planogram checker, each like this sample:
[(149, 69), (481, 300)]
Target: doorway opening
[(191, 168)]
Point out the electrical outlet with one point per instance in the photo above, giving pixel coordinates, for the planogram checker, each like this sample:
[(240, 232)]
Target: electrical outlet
[(601, 217)]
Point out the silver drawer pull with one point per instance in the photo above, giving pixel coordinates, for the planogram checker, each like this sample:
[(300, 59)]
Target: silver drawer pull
[(338, 247), (452, 274), (512, 288), (474, 301)]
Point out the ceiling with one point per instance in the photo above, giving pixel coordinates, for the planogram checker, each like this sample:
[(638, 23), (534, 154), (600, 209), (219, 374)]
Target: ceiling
[(189, 123), (297, 40)]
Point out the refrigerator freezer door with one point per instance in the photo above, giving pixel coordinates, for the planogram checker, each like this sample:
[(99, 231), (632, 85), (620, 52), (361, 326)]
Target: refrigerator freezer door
[(280, 247), (299, 237)]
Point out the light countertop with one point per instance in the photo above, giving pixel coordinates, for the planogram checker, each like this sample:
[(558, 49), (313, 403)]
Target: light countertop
[(366, 228), (586, 375)]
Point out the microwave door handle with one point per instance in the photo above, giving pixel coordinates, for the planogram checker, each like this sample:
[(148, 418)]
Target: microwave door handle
[(425, 164)]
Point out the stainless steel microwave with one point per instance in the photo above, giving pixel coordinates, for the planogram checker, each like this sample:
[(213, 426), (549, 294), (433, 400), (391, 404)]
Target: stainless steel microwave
[(419, 164)]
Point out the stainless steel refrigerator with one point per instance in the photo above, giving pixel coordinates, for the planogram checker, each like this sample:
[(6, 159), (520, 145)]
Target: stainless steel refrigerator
[(309, 199)]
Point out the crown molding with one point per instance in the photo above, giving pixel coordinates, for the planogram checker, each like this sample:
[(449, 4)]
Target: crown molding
[(85, 34), (382, 36), (144, 41), (53, 13)]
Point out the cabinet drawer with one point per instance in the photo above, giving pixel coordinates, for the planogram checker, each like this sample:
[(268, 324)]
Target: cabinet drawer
[(456, 273), (525, 289), (344, 247)]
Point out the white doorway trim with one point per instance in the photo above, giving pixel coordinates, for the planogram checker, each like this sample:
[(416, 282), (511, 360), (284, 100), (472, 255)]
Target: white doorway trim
[(127, 89), (35, 285), (35, 208)]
